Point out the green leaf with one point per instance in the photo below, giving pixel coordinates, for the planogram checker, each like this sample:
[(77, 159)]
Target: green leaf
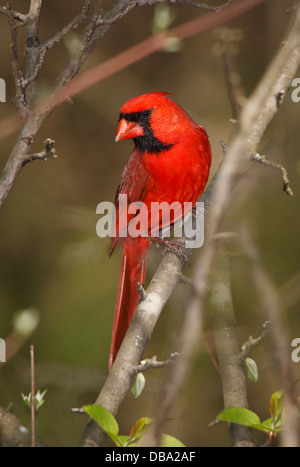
[(252, 371), (122, 440), (38, 399), (26, 399), (268, 425), (275, 405), (163, 18), (239, 415), (138, 385), (104, 419), (138, 427), (168, 441), (262, 427)]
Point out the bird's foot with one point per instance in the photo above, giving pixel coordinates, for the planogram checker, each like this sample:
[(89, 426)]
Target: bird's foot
[(176, 247)]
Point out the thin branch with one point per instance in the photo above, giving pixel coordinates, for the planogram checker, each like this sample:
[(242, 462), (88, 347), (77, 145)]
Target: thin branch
[(73, 24), (32, 50), (141, 291), (232, 370), (154, 363), (187, 280), (16, 15), (48, 152), (36, 71), (192, 3), (249, 345), (102, 21), (226, 39), (78, 410), (263, 161), (18, 76)]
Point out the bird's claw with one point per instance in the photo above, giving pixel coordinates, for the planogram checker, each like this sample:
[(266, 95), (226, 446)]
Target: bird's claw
[(178, 248)]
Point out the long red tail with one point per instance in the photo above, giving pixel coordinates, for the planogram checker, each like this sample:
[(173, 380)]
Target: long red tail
[(133, 270)]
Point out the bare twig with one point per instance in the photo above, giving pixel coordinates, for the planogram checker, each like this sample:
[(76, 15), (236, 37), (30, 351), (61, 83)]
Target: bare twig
[(37, 70), (187, 280), (78, 410), (48, 152), (223, 146), (73, 24), (193, 3), (154, 363), (249, 345), (141, 291), (226, 39), (32, 51), (16, 15), (18, 76), (264, 161)]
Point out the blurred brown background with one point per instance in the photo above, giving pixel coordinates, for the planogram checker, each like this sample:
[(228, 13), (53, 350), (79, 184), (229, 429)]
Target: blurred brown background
[(51, 259)]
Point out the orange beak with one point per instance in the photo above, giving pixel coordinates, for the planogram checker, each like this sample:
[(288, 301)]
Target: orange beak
[(128, 130)]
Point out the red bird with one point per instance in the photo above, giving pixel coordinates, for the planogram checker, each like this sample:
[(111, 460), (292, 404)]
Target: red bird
[(170, 162)]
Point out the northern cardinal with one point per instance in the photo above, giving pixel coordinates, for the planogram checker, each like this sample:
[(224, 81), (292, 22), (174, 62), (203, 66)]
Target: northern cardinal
[(170, 162)]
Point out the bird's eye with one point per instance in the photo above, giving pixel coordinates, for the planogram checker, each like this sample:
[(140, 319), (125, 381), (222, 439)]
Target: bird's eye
[(146, 113)]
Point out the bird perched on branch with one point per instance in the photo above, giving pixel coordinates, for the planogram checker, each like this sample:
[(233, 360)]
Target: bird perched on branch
[(170, 163)]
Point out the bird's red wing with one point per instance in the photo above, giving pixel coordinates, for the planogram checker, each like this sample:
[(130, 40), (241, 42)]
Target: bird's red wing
[(135, 184)]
